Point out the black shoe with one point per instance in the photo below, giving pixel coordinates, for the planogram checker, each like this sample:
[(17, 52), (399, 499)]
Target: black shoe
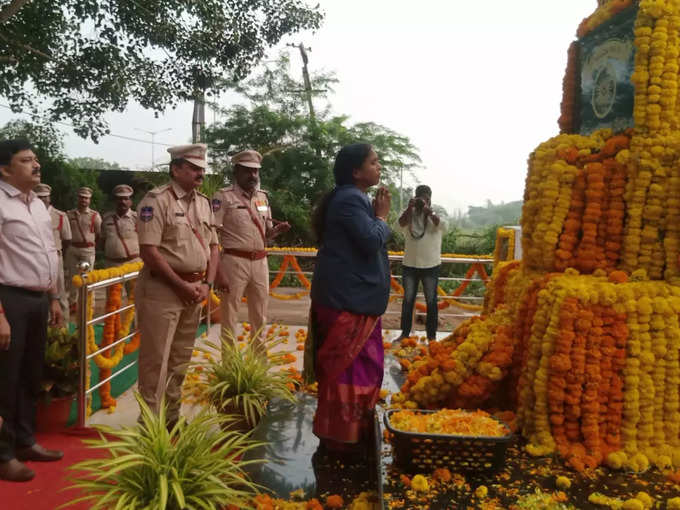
[(38, 453), (15, 471)]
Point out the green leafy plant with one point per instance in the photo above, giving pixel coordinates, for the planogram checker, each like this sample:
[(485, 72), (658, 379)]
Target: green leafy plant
[(243, 379), (195, 465), (61, 370)]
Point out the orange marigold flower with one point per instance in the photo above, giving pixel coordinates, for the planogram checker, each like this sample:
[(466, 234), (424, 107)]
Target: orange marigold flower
[(335, 501), (313, 504)]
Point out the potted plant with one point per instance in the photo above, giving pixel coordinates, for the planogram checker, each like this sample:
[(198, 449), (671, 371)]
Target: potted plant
[(243, 379), (196, 464), (59, 381)]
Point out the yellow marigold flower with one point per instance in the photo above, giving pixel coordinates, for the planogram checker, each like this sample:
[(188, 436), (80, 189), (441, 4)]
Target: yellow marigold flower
[(481, 492), (673, 504), (646, 499), (633, 504), (419, 483), (562, 482)]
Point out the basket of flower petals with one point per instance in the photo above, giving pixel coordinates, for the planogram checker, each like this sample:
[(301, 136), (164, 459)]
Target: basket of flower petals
[(469, 441)]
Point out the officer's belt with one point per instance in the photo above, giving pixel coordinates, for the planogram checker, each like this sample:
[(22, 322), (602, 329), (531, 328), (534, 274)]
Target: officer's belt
[(187, 277), (250, 255), (82, 245)]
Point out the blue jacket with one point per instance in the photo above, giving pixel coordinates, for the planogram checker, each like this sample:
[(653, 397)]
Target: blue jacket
[(352, 269)]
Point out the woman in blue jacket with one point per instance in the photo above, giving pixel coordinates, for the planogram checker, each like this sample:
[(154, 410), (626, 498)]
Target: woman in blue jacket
[(350, 291)]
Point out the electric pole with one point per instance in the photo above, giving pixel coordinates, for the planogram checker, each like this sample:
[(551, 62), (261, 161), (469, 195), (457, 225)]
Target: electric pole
[(153, 143), (198, 119)]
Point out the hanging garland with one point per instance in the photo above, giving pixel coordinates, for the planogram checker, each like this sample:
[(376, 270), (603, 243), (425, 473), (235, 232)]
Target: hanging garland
[(114, 327)]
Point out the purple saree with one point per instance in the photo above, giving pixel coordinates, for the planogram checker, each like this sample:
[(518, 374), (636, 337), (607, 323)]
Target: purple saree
[(349, 369)]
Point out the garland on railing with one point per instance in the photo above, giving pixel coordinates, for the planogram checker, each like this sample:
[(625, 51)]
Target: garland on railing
[(283, 250), (447, 299), (292, 261), (114, 327)]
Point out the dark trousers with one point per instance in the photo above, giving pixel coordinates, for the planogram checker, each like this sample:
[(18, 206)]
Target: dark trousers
[(411, 277), (21, 366)]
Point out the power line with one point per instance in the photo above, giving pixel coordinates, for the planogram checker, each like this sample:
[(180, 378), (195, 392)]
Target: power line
[(130, 138)]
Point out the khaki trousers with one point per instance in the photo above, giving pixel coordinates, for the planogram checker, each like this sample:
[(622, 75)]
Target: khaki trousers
[(249, 278), (168, 331), (74, 256)]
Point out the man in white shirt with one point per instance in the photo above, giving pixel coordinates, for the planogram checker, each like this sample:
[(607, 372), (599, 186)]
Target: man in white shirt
[(422, 259), (28, 296)]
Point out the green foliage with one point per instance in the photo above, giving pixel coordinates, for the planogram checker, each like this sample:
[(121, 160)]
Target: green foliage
[(244, 379), (64, 177), (196, 465), (299, 151), (94, 56), (61, 369)]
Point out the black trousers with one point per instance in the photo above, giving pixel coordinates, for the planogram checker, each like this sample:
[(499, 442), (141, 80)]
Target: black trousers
[(21, 366), (411, 276)]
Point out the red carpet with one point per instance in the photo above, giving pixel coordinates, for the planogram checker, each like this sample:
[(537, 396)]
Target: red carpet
[(45, 491)]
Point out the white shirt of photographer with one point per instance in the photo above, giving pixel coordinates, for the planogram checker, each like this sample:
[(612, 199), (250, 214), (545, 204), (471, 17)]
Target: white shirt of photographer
[(425, 252)]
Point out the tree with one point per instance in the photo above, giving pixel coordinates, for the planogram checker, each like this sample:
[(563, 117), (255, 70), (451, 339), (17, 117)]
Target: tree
[(87, 163), (298, 151), (90, 57), (64, 177)]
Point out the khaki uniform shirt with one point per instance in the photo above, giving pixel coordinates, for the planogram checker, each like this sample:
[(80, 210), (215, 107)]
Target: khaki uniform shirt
[(61, 226), (28, 255), (235, 224), (85, 227), (180, 224), (120, 235)]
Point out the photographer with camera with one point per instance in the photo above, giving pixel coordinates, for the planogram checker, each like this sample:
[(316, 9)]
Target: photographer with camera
[(422, 258)]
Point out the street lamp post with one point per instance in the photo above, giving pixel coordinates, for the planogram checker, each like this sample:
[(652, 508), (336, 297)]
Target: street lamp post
[(153, 140)]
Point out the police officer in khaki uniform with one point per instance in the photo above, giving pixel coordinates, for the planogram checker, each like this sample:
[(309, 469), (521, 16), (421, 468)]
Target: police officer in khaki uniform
[(179, 247), (86, 227), (61, 229), (119, 230), (245, 225)]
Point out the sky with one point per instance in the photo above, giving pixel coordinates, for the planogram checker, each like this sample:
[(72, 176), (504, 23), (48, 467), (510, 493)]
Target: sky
[(475, 85)]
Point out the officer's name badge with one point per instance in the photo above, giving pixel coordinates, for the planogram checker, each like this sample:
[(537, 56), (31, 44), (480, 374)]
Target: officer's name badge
[(146, 213)]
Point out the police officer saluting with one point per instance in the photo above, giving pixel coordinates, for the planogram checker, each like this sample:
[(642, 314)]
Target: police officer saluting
[(178, 244), (245, 225), (61, 229), (28, 296), (119, 230)]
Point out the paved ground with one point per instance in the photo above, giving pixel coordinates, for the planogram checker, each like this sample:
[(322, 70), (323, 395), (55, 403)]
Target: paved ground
[(293, 313), (127, 410)]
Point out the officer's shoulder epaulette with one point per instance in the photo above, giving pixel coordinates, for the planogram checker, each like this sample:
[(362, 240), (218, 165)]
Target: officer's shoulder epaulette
[(227, 188), (133, 213), (264, 191), (71, 213), (159, 190), (203, 195), (59, 212)]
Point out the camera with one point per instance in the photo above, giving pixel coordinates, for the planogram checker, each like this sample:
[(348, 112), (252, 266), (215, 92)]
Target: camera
[(420, 203)]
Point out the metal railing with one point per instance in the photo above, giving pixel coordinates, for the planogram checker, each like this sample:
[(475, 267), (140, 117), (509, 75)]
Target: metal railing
[(83, 326), (400, 258)]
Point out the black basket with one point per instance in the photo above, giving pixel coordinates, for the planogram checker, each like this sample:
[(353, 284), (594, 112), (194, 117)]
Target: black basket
[(415, 452)]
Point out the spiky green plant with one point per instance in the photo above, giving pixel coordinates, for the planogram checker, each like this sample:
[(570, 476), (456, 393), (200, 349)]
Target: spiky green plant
[(196, 465), (244, 378)]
